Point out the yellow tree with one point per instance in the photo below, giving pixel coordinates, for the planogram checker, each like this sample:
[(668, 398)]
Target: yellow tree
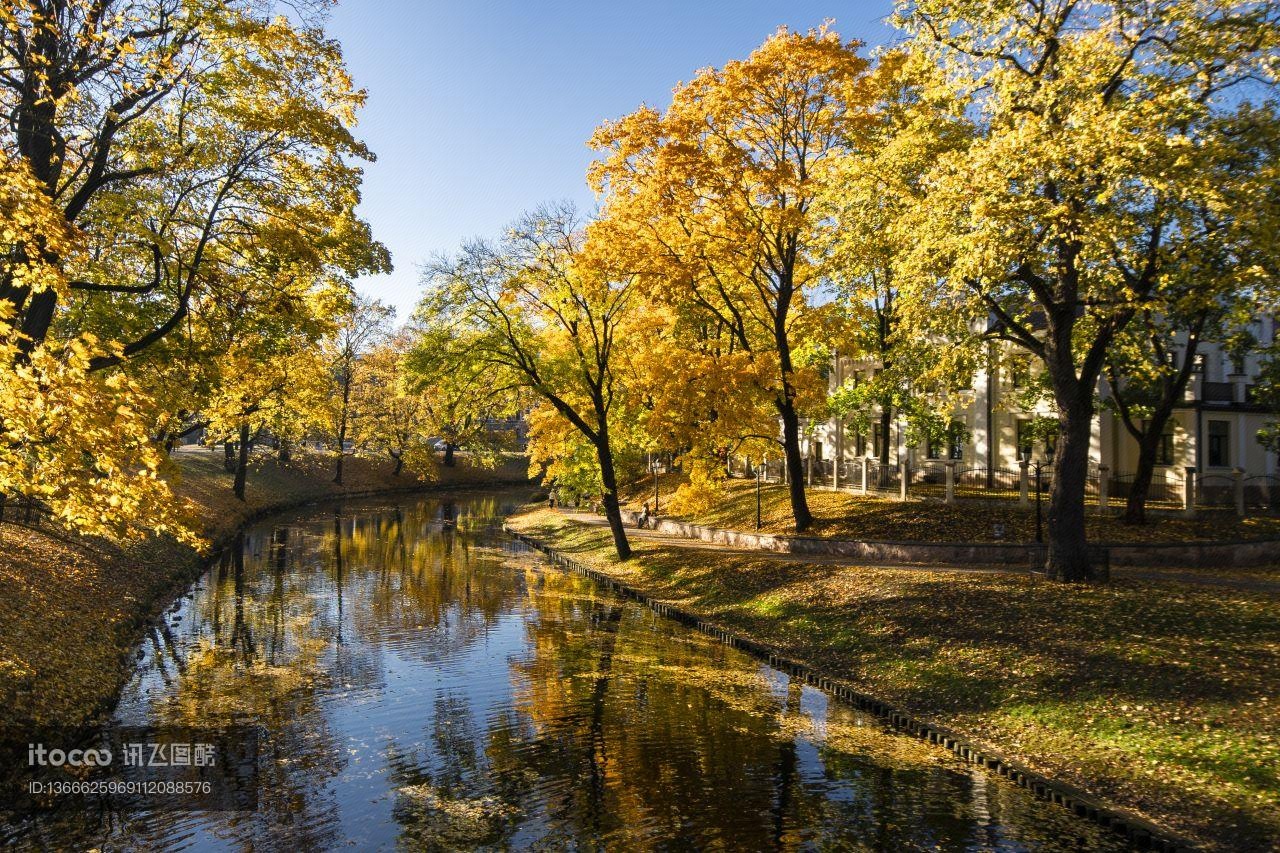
[(165, 137), (714, 201), (1095, 125), (77, 442), (461, 394), (359, 329), (394, 418), (537, 313), (874, 183), (1216, 280)]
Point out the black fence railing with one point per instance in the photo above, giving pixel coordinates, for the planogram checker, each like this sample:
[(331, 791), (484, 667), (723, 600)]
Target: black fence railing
[(928, 478), (1166, 488), (984, 482), (22, 509), (1262, 492), (1215, 490)]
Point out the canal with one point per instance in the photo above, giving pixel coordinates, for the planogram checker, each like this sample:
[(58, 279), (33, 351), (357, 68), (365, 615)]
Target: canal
[(421, 681)]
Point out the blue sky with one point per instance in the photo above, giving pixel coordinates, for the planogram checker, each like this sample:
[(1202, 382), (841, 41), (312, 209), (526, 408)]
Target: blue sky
[(481, 110)]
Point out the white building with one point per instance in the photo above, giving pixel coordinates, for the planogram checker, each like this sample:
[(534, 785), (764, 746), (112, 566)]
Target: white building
[(1213, 430)]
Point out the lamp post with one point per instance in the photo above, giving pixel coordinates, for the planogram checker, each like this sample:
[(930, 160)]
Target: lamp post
[(1039, 516), (758, 467), (655, 485)]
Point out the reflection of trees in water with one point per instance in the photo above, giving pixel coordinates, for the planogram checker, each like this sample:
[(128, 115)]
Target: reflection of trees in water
[(621, 729), (451, 797), (260, 662), (630, 730), (420, 577)]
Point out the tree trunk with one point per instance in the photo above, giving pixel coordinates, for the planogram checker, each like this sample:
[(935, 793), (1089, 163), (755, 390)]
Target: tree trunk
[(229, 456), (37, 319), (795, 465), (1135, 507), (610, 497), (1068, 544), (399, 460), (284, 451), (242, 464), (449, 460), (886, 422), (342, 426)]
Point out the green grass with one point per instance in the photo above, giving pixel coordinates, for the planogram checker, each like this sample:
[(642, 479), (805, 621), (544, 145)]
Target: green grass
[(1159, 696)]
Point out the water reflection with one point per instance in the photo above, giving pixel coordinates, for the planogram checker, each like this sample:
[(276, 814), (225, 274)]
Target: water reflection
[(424, 682)]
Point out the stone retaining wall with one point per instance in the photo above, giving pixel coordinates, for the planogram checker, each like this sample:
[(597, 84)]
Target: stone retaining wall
[(1189, 555)]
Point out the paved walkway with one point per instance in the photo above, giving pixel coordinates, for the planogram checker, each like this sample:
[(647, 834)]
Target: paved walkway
[(1175, 575)]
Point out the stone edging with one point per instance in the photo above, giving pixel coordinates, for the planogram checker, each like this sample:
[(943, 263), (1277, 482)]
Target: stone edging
[(1155, 555), (1137, 830)]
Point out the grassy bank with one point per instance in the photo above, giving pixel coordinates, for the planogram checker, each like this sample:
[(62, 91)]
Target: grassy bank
[(71, 608), (1158, 696), (848, 515)]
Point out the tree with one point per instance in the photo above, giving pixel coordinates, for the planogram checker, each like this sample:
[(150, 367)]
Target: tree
[(167, 139), (877, 178), (361, 327), (458, 392), (716, 199), (394, 417), (1055, 223), (543, 316), (1219, 273)]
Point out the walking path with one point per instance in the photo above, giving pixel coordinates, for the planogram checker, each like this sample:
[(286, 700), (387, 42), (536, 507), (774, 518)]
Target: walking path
[(1173, 574)]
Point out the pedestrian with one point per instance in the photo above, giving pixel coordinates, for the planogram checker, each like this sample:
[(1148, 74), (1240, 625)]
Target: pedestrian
[(644, 516)]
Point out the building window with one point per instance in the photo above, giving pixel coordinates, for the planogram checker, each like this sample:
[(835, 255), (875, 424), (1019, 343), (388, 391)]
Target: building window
[(1164, 452), (817, 450), (860, 444), (950, 442), (1219, 444), (877, 440), (955, 440), (1019, 372), (1024, 439)]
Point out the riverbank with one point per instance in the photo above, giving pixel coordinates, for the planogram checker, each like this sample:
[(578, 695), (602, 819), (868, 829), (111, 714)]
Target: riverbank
[(73, 608), (1155, 695)]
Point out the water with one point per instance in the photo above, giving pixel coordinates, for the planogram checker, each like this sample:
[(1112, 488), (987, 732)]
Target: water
[(430, 684)]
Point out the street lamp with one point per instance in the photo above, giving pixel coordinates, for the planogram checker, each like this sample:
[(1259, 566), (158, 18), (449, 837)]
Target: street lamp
[(655, 485), (759, 467), (1039, 516)]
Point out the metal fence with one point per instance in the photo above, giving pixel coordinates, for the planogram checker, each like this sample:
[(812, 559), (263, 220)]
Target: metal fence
[(1215, 490), (927, 479), (23, 509), (1262, 492), (1166, 488)]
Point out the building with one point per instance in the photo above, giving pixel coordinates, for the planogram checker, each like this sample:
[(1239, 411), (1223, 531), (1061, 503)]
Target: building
[(1213, 430)]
